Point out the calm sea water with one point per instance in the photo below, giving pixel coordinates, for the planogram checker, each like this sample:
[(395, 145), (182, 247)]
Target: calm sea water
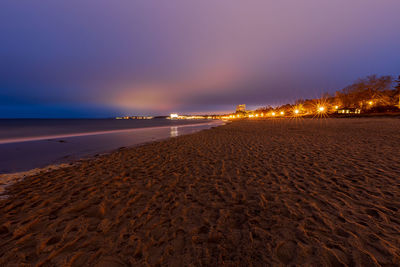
[(29, 144), (33, 128)]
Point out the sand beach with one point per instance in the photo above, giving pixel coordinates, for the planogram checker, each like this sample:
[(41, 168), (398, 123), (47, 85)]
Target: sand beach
[(282, 192)]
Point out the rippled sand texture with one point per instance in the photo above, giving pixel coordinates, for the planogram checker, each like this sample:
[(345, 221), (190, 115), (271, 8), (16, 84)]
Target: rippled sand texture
[(305, 192)]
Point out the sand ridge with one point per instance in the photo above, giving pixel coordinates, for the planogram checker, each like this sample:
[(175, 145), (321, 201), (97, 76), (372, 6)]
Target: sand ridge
[(251, 193)]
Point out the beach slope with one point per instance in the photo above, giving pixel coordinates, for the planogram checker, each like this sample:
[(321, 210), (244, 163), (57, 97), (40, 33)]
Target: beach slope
[(251, 193)]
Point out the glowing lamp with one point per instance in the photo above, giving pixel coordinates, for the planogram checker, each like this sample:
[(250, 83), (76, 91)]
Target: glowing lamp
[(336, 107), (296, 111), (273, 113), (282, 113), (321, 109), (370, 102)]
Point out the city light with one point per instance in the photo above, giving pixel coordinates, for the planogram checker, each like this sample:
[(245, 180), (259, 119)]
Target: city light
[(321, 109), (273, 113), (296, 111), (282, 113), (174, 116)]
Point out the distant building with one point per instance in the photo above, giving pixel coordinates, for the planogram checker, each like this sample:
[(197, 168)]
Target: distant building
[(174, 116), (241, 108), (349, 111)]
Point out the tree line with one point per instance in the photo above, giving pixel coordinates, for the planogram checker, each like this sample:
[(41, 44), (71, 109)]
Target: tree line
[(370, 94)]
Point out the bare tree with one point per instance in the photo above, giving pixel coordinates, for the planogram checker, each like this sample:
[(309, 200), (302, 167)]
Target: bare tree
[(397, 89), (366, 91)]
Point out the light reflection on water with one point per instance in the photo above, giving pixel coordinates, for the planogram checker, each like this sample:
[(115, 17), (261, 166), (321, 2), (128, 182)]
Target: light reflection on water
[(174, 131), (23, 156)]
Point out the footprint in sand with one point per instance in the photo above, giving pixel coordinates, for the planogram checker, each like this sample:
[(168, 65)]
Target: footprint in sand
[(110, 262), (286, 251)]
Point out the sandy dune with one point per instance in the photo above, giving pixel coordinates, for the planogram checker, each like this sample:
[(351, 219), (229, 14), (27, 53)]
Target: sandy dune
[(251, 193)]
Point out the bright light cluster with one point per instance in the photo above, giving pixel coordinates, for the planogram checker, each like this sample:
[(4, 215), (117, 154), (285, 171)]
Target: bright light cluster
[(319, 110)]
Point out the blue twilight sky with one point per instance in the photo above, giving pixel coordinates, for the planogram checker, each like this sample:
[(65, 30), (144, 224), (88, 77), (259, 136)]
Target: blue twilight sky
[(97, 58)]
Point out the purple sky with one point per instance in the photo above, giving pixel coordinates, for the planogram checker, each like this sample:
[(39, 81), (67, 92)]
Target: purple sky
[(95, 58)]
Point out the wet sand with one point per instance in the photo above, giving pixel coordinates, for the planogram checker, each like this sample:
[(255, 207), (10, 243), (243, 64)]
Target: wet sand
[(251, 193)]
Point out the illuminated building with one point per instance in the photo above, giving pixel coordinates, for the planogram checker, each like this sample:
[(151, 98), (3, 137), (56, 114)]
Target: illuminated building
[(241, 108), (348, 111), (174, 116)]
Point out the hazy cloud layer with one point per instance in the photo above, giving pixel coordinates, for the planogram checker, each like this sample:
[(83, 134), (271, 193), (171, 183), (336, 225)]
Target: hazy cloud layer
[(101, 57)]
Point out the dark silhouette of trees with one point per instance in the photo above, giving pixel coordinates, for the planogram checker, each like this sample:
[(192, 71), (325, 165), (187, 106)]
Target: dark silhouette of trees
[(363, 92), (367, 93), (397, 90)]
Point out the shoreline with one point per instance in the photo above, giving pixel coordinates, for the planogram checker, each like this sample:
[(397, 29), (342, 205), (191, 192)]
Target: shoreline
[(7, 179)]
